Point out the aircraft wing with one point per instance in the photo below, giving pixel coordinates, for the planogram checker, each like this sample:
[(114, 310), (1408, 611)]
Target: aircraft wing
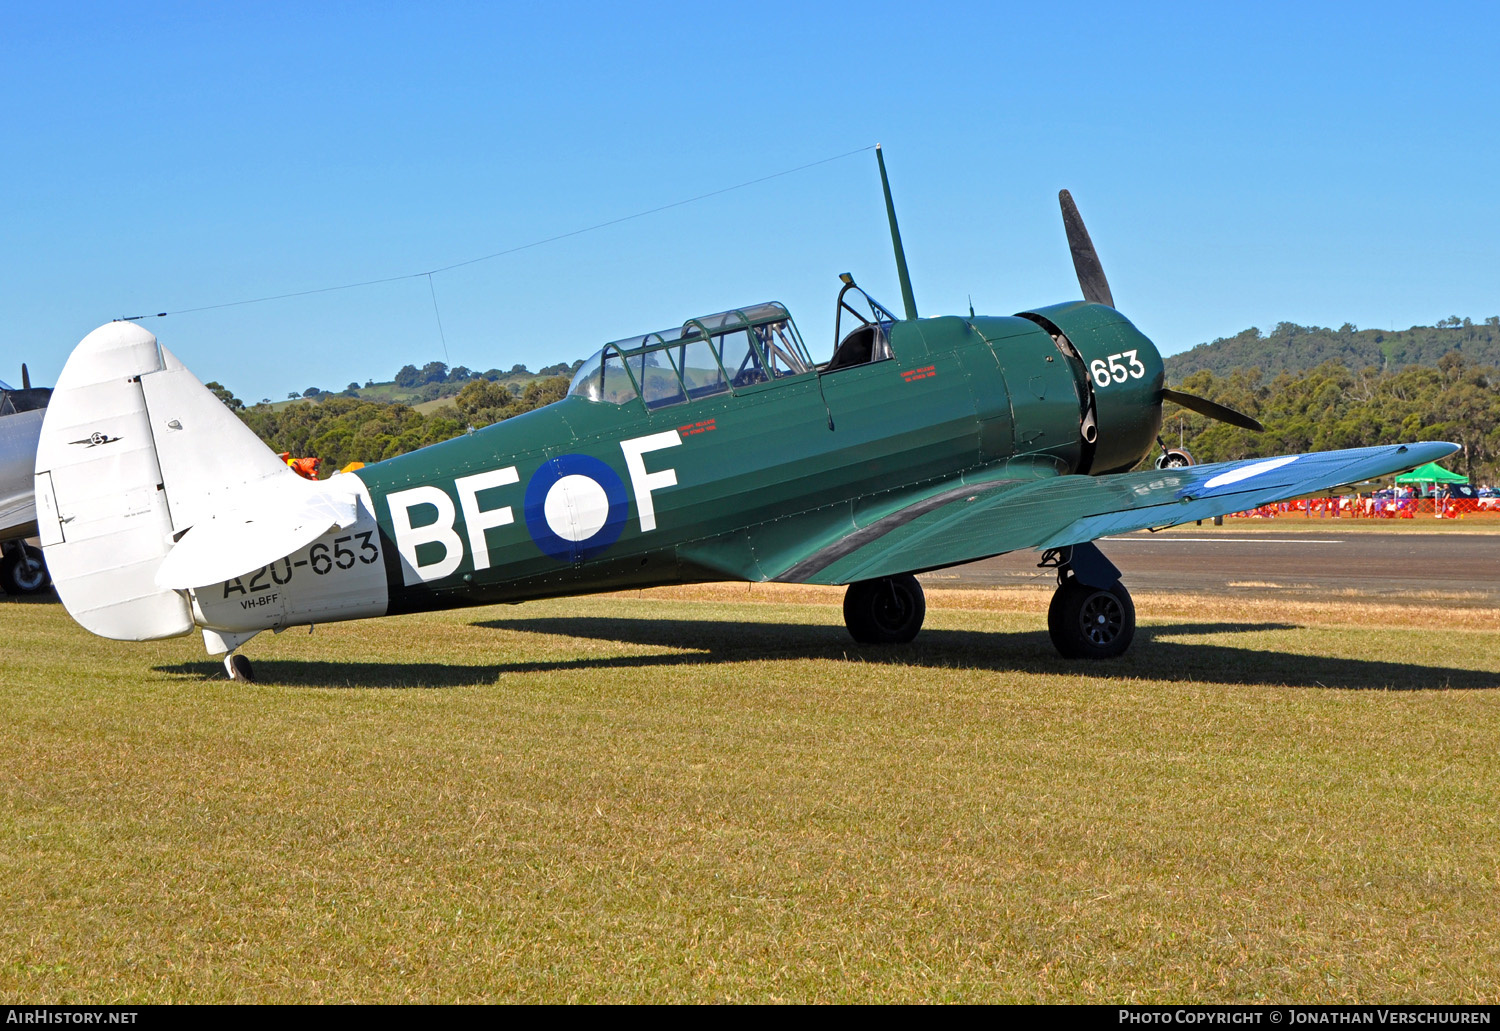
[(18, 437), (17, 517), (992, 519)]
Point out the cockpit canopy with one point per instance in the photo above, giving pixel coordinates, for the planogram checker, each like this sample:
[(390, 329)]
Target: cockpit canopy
[(867, 338), (22, 399), (711, 355)]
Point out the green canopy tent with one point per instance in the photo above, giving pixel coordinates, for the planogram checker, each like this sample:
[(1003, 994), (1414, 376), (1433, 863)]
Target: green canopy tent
[(1431, 473)]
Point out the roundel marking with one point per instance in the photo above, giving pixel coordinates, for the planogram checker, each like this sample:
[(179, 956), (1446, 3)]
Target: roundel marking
[(575, 507)]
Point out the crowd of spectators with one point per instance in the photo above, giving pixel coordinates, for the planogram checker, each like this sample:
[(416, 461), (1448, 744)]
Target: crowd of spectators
[(1440, 501)]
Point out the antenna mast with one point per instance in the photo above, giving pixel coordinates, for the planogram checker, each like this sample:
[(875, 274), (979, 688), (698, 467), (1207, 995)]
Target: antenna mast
[(890, 210)]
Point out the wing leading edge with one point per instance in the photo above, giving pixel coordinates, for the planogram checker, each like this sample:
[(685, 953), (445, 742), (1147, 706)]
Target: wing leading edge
[(1067, 510)]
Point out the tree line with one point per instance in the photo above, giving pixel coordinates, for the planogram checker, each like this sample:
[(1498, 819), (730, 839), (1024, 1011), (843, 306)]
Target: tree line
[(1332, 407), (1293, 348), (409, 376), (340, 430), (432, 381)]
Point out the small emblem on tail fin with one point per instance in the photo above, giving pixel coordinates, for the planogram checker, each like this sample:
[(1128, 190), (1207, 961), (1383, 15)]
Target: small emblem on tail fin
[(95, 439)]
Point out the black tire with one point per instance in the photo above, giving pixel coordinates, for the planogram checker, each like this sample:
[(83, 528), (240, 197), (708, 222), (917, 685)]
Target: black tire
[(1091, 622), (889, 610), (23, 572), (239, 669)]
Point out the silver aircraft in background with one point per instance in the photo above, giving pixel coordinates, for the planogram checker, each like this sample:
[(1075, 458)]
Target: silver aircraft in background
[(22, 570)]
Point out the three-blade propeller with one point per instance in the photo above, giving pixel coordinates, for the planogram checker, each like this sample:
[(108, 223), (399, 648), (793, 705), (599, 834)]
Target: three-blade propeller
[(1096, 290)]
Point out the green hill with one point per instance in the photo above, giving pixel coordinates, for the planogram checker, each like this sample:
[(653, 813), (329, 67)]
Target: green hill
[(1293, 348), (380, 420), (340, 429), (427, 389)]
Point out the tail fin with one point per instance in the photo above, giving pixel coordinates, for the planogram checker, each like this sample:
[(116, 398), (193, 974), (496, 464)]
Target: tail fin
[(133, 451)]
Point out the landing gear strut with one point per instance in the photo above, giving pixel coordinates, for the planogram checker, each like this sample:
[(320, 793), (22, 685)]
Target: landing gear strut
[(1091, 615), (888, 610)]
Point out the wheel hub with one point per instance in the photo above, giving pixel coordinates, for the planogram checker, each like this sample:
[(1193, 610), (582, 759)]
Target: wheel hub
[(892, 610), (29, 574), (1103, 617)]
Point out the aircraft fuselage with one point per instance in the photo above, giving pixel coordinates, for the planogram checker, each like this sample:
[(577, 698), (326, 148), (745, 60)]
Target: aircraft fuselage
[(586, 495)]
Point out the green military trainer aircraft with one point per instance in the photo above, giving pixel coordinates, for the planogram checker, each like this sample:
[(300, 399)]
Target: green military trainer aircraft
[(718, 449)]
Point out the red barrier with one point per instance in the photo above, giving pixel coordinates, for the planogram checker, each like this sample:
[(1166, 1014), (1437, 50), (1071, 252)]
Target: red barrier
[(1354, 507)]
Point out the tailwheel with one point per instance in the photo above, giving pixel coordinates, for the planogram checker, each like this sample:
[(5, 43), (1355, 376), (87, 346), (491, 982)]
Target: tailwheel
[(1091, 622), (239, 668), (888, 610)]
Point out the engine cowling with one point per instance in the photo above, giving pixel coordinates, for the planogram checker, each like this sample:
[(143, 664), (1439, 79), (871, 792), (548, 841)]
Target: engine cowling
[(1121, 374)]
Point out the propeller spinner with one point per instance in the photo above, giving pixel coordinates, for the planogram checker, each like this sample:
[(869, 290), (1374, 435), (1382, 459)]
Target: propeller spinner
[(1096, 290)]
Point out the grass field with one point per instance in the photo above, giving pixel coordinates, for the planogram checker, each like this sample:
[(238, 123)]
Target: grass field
[(712, 794)]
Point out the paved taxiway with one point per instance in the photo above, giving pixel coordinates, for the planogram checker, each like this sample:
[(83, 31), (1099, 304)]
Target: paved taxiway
[(1420, 568)]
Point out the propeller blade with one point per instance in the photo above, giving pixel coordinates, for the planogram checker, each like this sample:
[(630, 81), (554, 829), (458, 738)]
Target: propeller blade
[(1212, 409), (25, 378), (1085, 259)]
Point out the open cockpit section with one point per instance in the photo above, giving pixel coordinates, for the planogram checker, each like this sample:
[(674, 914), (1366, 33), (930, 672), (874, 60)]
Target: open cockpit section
[(731, 352), (861, 327)]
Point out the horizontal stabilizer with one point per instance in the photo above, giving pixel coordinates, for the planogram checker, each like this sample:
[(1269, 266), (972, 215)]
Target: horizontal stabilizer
[(259, 530)]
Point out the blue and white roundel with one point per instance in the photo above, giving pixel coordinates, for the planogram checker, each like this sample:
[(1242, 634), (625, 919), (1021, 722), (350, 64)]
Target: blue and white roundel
[(575, 506)]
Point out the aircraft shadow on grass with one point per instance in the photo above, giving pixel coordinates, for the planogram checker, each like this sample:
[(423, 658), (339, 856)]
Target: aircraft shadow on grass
[(1151, 658), (46, 596), (713, 642), (385, 675)]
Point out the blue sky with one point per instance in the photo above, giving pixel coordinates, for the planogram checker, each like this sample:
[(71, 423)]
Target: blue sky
[(1237, 165)]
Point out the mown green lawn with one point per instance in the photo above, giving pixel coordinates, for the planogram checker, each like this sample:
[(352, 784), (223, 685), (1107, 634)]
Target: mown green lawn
[(715, 795)]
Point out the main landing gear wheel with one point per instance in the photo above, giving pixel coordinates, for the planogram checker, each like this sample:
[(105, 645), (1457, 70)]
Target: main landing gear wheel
[(239, 669), (888, 610), (1174, 458), (22, 571), (1091, 622)]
